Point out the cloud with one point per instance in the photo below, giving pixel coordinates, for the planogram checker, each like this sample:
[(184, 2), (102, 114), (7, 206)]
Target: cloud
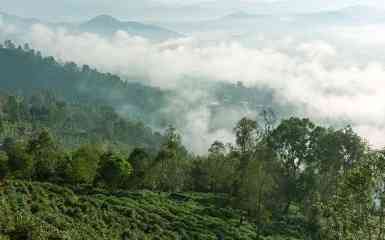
[(6, 29), (317, 76)]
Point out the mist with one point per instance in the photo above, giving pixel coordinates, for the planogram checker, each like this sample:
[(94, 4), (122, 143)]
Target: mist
[(334, 76)]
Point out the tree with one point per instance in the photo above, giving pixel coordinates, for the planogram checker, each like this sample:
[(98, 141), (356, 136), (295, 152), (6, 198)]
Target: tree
[(45, 154), (221, 168), (213, 173), (9, 44), (169, 168), (4, 168), (83, 166), (351, 212), (115, 170), (291, 142), (21, 164), (198, 175), (140, 162), (247, 134), (14, 108), (256, 192), (333, 152), (247, 137)]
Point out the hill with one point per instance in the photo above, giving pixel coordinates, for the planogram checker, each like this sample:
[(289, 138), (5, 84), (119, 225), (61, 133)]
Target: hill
[(267, 21), (73, 124), (47, 211), (104, 25), (107, 26), (15, 20), (26, 71)]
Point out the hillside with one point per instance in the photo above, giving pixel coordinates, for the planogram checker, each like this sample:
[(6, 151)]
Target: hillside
[(261, 122), (63, 145), (26, 71), (73, 124), (47, 211)]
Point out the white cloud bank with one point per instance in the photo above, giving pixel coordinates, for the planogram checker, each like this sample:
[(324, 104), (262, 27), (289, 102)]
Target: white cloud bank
[(322, 77)]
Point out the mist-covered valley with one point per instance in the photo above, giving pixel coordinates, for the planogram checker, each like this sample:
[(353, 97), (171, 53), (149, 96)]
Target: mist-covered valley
[(241, 63), (192, 120)]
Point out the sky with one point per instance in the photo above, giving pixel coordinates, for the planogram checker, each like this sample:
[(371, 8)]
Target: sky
[(64, 10)]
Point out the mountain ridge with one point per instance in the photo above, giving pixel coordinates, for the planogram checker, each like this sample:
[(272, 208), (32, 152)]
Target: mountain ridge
[(107, 25)]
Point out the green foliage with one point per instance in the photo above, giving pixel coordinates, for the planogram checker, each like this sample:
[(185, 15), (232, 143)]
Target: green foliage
[(140, 161), (356, 209), (168, 172), (83, 213), (4, 165), (25, 70), (20, 162), (295, 180), (72, 124), (83, 166), (115, 171), (273, 178), (45, 154)]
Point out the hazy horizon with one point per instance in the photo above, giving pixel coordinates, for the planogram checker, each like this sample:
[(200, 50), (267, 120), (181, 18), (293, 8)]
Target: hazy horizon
[(159, 10)]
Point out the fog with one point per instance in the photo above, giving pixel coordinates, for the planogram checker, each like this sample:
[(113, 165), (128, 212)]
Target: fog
[(334, 74)]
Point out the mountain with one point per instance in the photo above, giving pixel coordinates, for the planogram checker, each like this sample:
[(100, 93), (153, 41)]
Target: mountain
[(243, 15), (104, 25), (362, 12), (107, 25), (241, 22), (15, 20)]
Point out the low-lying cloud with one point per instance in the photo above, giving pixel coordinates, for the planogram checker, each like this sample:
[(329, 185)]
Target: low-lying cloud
[(328, 81)]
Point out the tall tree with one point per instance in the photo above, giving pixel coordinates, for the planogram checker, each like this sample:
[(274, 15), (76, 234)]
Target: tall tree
[(291, 142), (45, 154), (169, 168)]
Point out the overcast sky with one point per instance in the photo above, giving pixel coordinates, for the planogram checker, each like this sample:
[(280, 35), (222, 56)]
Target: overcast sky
[(157, 9)]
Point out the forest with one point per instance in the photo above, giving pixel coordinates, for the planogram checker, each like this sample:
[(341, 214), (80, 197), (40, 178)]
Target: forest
[(72, 168)]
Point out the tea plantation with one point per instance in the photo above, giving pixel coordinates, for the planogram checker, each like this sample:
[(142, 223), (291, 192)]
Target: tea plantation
[(31, 210)]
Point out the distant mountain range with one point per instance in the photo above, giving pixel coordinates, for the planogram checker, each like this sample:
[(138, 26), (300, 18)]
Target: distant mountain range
[(237, 22), (247, 22), (104, 25), (353, 14)]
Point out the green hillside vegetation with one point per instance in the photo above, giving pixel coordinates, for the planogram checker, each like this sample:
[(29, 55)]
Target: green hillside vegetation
[(294, 181), (46, 211), (74, 124), (25, 71), (72, 168)]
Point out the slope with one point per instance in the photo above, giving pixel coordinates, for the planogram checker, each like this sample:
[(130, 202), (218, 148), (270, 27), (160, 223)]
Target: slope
[(46, 211)]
